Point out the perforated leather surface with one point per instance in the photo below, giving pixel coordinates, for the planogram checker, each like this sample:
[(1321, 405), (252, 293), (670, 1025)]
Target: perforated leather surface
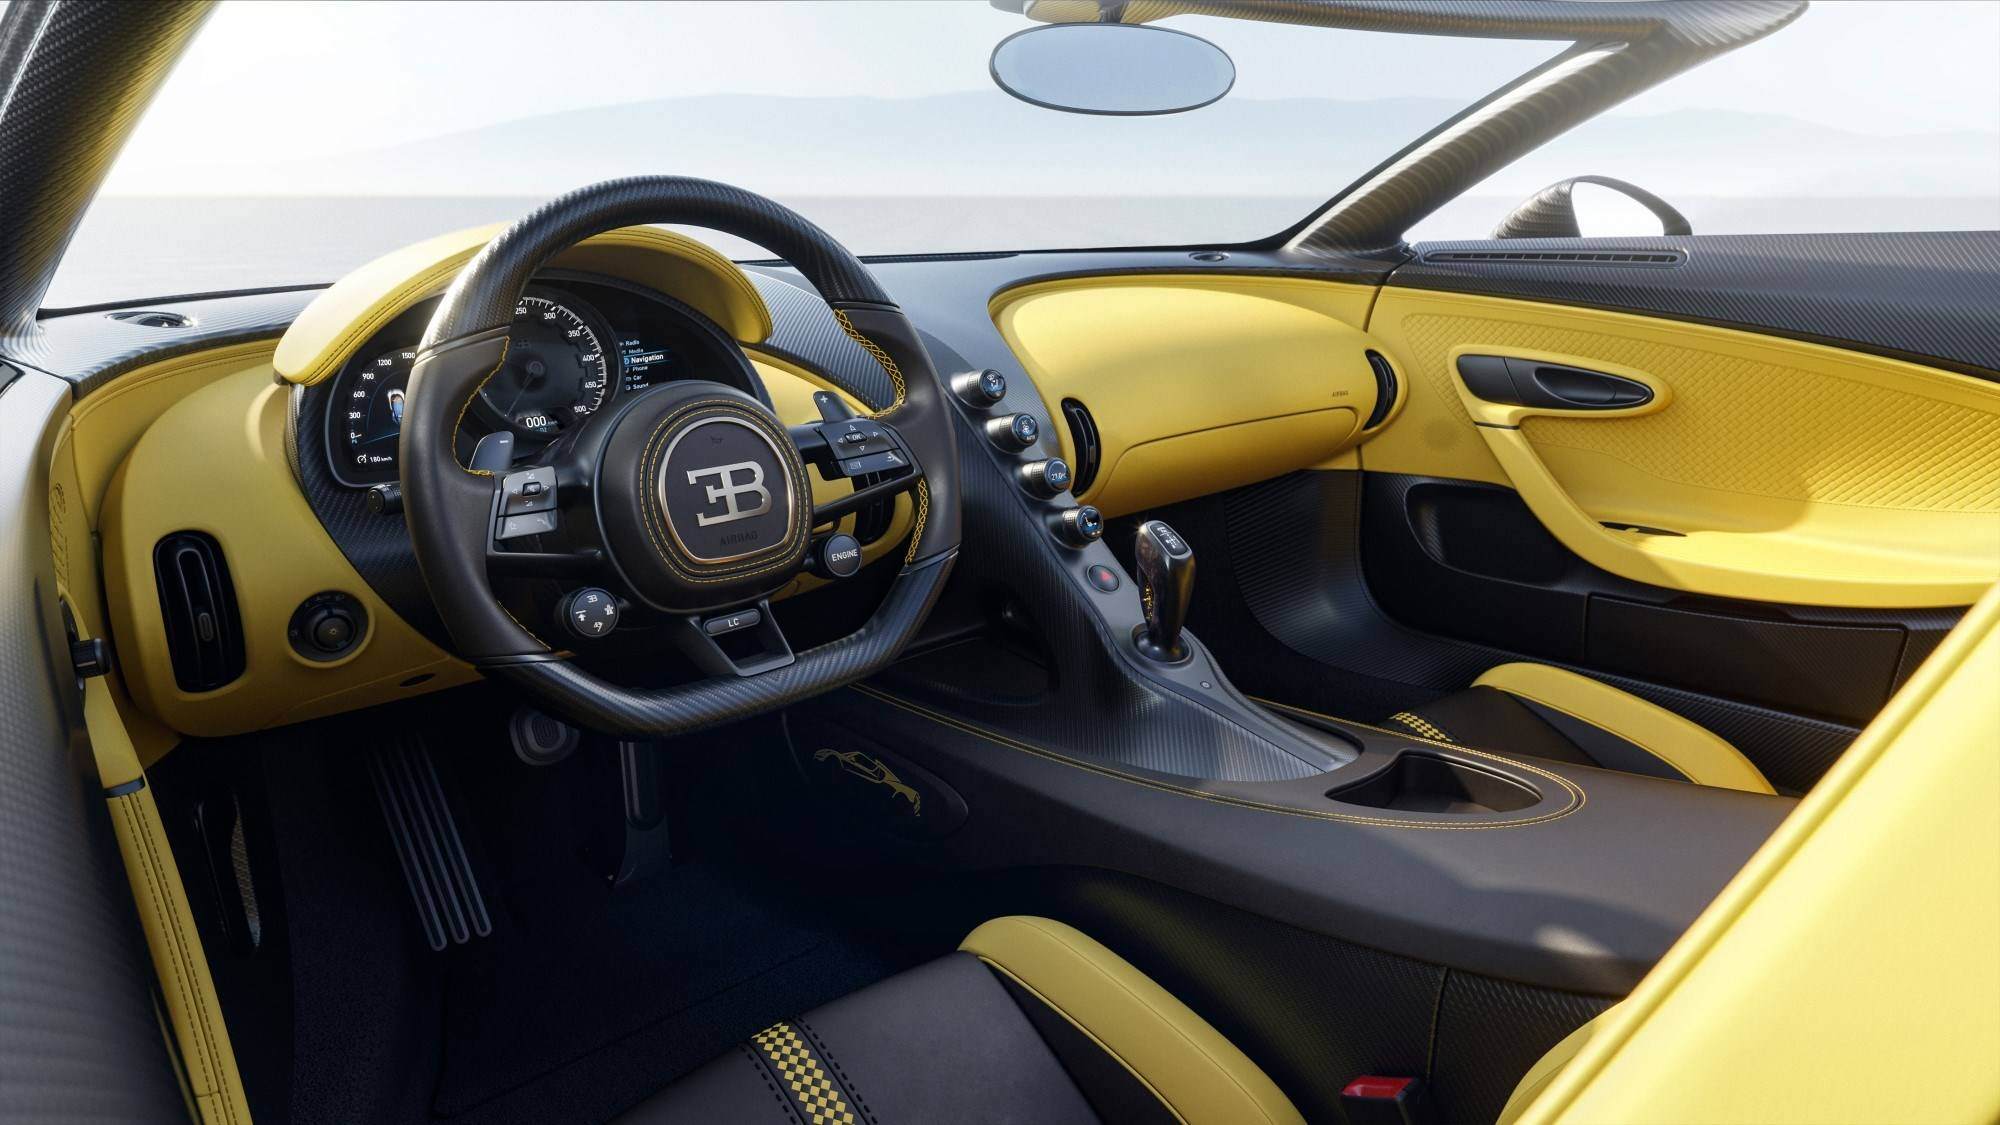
[(1745, 425)]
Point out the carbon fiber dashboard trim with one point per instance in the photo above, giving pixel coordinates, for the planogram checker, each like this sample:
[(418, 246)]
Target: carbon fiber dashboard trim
[(90, 349), (1924, 297)]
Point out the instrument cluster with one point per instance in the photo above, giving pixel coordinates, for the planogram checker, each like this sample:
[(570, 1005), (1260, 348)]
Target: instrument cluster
[(576, 345)]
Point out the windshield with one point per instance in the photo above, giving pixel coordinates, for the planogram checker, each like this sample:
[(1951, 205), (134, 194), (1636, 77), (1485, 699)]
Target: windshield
[(297, 141)]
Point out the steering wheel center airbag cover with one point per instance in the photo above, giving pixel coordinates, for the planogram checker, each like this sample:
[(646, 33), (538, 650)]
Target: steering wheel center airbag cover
[(703, 499)]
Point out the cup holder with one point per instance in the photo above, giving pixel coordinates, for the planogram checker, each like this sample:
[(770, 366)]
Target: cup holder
[(1429, 783)]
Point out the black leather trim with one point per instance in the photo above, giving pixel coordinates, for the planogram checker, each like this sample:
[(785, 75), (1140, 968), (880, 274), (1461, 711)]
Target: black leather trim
[(611, 709), (1605, 748), (1500, 900), (483, 296), (941, 1042), (1504, 723), (449, 508), (1112, 1090)]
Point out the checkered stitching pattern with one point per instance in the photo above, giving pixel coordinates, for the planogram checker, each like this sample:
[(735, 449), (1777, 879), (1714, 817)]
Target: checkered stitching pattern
[(1421, 725), (802, 1073)]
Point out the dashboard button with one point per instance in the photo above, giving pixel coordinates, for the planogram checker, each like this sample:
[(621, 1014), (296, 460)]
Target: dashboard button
[(885, 461), (731, 622), (839, 556), (590, 612), (1014, 432), (532, 490), (1046, 478), (1103, 577), (1080, 526), (331, 630), (855, 438), (980, 389), (534, 523)]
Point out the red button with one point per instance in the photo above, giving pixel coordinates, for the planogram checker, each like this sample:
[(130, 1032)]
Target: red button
[(1370, 1086)]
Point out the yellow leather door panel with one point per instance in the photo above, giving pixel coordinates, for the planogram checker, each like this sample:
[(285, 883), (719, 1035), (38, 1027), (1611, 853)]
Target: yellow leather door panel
[(1788, 471)]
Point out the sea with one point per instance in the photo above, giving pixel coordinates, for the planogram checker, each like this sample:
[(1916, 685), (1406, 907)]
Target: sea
[(132, 248)]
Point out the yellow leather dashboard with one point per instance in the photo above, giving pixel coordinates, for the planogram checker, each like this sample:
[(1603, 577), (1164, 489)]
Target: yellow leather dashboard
[(358, 305), (198, 443), (1196, 383)]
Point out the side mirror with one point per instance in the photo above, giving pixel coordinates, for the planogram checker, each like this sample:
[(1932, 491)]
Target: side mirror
[(1112, 68), (1551, 212)]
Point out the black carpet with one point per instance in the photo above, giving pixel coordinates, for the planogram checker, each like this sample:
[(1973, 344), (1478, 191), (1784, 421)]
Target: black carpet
[(584, 999)]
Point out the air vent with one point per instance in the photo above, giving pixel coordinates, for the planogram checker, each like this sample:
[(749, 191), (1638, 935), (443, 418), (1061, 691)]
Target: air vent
[(1385, 389), (1562, 257), (153, 318), (198, 606), (1089, 448)]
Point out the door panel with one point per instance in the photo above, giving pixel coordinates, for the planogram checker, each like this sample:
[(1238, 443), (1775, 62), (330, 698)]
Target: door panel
[(1780, 470), (1471, 561)]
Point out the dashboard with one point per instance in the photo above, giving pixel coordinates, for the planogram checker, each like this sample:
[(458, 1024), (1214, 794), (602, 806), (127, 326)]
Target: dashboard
[(578, 343)]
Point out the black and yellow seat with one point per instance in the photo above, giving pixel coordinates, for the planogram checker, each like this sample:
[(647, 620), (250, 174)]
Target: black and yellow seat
[(1029, 1021), (1537, 711)]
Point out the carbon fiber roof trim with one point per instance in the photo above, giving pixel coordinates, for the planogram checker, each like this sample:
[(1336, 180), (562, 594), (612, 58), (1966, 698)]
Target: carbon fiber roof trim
[(1928, 298)]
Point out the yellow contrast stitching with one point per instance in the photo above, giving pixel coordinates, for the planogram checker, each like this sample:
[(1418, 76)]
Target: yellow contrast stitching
[(1577, 798), (459, 422), (817, 1096), (902, 392), (661, 545), (881, 357)]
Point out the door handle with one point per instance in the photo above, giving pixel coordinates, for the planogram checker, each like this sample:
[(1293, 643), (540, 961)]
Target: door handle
[(1514, 381)]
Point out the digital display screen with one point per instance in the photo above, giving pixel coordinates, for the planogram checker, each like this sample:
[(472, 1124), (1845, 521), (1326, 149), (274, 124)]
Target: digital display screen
[(646, 364)]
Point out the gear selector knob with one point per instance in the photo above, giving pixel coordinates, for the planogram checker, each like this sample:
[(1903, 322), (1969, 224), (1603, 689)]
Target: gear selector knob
[(1165, 564)]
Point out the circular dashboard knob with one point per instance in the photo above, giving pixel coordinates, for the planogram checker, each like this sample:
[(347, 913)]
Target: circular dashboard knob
[(1080, 526), (980, 389), (590, 613), (1046, 478), (1014, 432), (330, 630)]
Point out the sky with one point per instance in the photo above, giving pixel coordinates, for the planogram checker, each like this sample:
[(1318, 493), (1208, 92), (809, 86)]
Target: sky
[(311, 79)]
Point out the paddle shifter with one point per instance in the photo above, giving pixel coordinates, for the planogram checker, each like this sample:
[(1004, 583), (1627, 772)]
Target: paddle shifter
[(1165, 564)]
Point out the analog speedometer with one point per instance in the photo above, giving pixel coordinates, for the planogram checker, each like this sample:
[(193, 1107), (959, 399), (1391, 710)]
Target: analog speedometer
[(556, 373)]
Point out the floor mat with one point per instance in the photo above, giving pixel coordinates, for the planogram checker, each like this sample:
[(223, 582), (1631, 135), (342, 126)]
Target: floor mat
[(585, 999), (582, 1000)]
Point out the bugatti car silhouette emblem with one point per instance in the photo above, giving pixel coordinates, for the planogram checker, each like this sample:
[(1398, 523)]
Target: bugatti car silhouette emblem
[(729, 490), (868, 769)]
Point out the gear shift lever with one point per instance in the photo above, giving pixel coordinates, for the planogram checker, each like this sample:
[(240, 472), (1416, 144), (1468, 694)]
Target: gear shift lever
[(1166, 581)]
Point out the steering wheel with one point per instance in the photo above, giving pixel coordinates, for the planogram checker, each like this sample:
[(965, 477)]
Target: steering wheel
[(690, 498)]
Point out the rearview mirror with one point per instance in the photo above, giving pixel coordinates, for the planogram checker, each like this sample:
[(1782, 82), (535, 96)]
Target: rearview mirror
[(1110, 68)]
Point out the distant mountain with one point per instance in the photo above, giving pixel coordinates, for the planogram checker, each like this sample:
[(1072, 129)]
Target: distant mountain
[(985, 143)]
